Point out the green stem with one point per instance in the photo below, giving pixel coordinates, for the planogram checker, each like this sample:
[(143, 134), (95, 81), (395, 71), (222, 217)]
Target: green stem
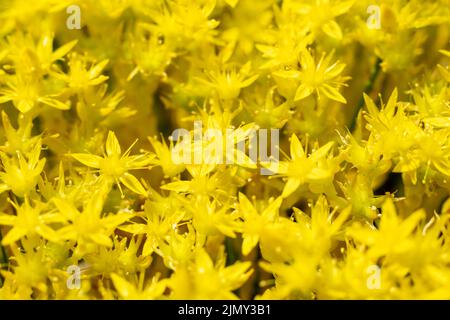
[(163, 116), (367, 89), (4, 258), (231, 256)]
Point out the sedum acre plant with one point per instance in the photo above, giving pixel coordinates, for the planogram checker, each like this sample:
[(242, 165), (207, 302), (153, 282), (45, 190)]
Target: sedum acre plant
[(122, 122)]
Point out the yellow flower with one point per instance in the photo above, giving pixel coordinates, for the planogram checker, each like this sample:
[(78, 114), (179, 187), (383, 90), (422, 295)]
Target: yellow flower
[(120, 257), (255, 222), (164, 157), (102, 107), (30, 258), (202, 279), (20, 174), (37, 57), (79, 77), (229, 82), (348, 279), (28, 221), (178, 249), (304, 168), (319, 230), (321, 14), (114, 166), (204, 182), (130, 291), (77, 222), (323, 78), (286, 42), (394, 235), (27, 93), (161, 215), (20, 139), (209, 218), (186, 23), (266, 113), (89, 227)]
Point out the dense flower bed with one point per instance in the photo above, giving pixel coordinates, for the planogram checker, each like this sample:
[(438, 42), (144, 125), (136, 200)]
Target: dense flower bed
[(346, 198)]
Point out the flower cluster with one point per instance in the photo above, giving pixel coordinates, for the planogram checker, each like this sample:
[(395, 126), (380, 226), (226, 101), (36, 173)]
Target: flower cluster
[(93, 204)]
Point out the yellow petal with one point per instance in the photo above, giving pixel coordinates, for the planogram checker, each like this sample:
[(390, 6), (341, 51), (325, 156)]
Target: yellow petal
[(87, 159), (178, 186), (250, 241), (101, 239), (124, 288), (333, 30), (245, 205), (7, 219), (332, 93), (13, 235), (66, 208), (112, 145), (63, 50), (392, 102), (302, 92), (148, 248), (296, 150), (132, 183), (249, 81), (291, 185), (322, 151), (371, 107), (24, 105), (444, 72), (134, 228), (47, 233), (271, 212), (97, 69), (232, 3), (54, 103)]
